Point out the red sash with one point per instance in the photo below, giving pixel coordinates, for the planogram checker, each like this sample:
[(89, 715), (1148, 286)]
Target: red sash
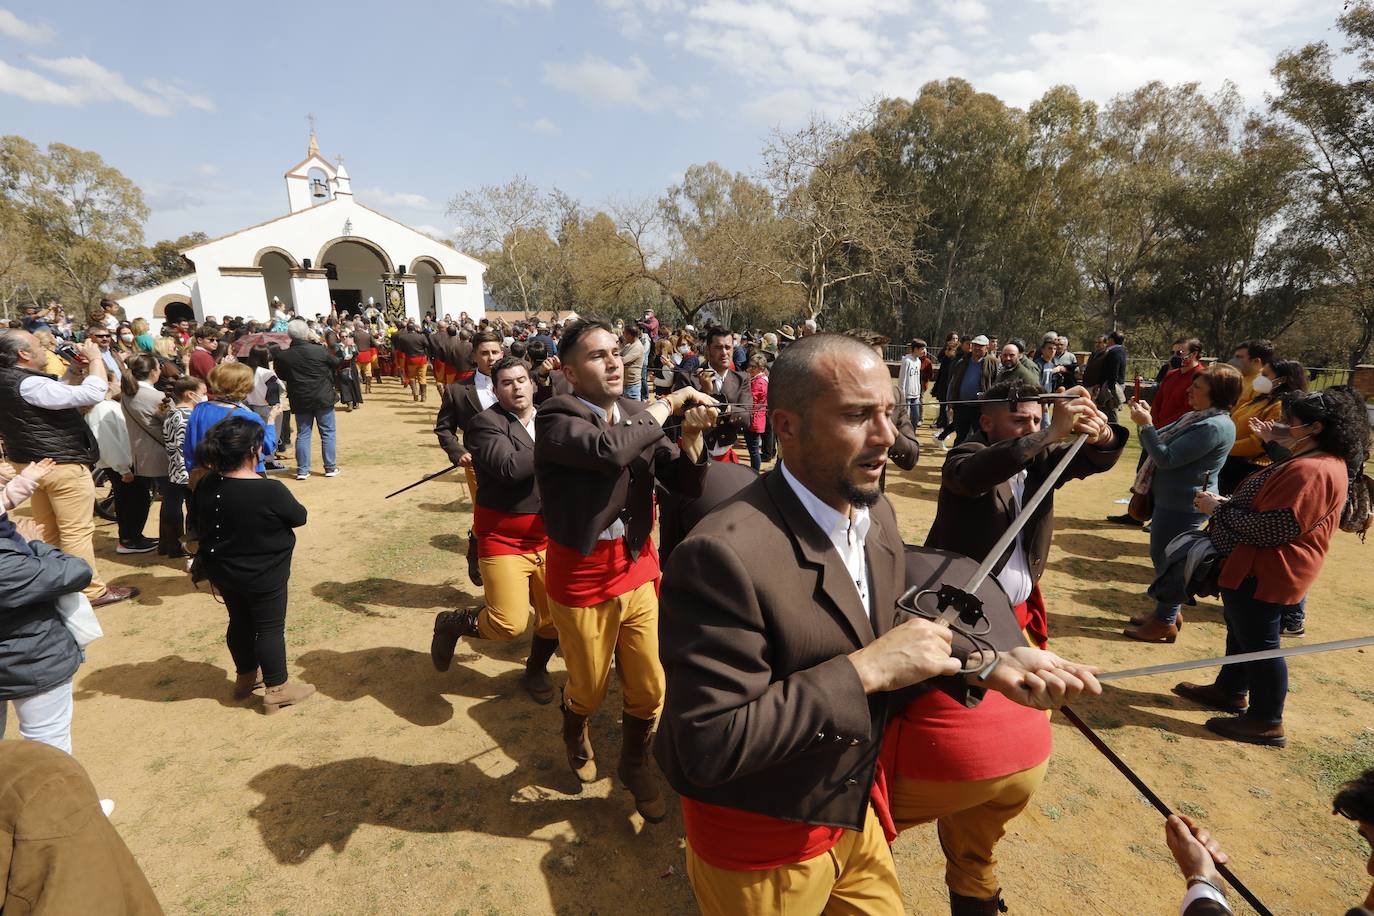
[(577, 581), (745, 841), (502, 534), (367, 356)]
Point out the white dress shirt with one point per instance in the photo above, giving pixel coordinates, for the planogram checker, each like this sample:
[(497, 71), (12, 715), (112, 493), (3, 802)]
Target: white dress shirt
[(617, 529), (846, 532), (486, 395), (50, 394), (1015, 577)]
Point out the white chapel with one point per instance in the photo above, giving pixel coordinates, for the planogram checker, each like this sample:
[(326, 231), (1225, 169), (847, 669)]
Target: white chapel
[(328, 249)]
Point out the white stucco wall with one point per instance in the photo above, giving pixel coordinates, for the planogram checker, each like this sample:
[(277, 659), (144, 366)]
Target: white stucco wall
[(303, 235)]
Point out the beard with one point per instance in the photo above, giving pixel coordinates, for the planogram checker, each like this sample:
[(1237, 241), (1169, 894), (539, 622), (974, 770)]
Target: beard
[(859, 496)]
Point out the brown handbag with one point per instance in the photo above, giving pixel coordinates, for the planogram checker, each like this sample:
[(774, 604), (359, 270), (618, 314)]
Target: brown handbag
[(1142, 506)]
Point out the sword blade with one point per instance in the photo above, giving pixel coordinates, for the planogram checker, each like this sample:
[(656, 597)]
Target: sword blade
[(1170, 668)]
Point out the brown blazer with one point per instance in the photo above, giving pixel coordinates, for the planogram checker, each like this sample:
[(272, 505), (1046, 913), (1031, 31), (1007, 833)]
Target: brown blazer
[(503, 460), (678, 515), (976, 504), (735, 390), (764, 712), (410, 343), (599, 473), (458, 404)]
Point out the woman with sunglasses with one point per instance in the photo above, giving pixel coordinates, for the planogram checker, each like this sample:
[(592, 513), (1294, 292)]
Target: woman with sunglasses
[(1274, 533)]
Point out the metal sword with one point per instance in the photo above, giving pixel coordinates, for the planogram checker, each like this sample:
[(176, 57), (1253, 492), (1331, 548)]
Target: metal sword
[(426, 479), (1289, 652)]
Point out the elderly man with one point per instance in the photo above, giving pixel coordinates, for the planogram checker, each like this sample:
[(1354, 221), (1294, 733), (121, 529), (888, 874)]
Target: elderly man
[(308, 370), (779, 641), (973, 371), (41, 418)]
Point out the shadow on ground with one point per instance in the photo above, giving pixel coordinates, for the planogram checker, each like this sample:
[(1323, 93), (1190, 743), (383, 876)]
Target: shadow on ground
[(360, 595), (164, 680)]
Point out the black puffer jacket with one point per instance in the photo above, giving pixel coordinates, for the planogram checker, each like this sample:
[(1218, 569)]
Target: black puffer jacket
[(308, 370), (37, 651), (33, 433)]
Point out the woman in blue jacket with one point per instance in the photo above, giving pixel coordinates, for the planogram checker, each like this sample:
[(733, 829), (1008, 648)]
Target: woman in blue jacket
[(230, 383), (1181, 459)]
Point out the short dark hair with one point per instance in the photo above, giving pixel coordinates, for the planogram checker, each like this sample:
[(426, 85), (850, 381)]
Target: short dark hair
[(792, 378), (1355, 799), (1116, 337), (482, 337), (573, 333), (1257, 348), (717, 331), (917, 344), (1290, 374), (185, 385), (206, 332), (1192, 345), (965, 338), (1005, 391), (506, 363), (229, 442), (1223, 385)]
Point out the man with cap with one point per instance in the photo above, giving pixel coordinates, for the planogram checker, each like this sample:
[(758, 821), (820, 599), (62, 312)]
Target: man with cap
[(972, 373)]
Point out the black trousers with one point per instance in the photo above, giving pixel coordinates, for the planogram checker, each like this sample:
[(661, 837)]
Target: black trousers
[(171, 520), (132, 502), (257, 629), (965, 421)]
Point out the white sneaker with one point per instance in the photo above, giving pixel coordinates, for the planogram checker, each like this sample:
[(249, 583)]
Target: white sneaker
[(300, 476), (333, 473), (107, 805)]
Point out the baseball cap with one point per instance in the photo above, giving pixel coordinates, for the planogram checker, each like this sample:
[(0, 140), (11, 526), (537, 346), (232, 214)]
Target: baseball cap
[(981, 340)]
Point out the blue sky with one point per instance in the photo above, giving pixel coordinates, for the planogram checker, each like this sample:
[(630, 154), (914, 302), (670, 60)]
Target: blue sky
[(205, 105)]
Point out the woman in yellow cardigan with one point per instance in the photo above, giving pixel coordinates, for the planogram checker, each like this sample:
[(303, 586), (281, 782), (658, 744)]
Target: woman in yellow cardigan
[(1247, 455)]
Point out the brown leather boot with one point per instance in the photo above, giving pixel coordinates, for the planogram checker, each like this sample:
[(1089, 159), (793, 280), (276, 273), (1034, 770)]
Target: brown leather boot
[(578, 743), (287, 694), (636, 770), (474, 568), (535, 680), (1211, 696), (1139, 619), (449, 627), (959, 905), (1251, 731), (246, 683), (1153, 630)]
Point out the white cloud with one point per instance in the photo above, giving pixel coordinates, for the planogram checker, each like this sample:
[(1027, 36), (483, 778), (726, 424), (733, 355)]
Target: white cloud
[(436, 232), (208, 169), (34, 33), (78, 81), (525, 4), (166, 198), (545, 126), (384, 198), (964, 11), (603, 83)]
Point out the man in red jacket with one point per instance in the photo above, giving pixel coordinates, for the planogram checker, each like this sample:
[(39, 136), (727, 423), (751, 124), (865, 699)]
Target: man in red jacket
[(1171, 398)]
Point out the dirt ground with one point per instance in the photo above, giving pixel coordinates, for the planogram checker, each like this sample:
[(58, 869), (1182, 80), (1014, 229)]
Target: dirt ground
[(401, 790)]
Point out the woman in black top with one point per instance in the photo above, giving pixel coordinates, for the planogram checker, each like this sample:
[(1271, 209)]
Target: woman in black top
[(245, 527)]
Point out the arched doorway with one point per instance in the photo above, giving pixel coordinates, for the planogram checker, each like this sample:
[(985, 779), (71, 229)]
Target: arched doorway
[(426, 269), (276, 267), (355, 267), (174, 308)]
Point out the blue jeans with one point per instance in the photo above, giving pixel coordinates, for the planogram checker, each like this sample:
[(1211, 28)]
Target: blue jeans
[(1165, 525), (1295, 615), (754, 441), (913, 410), (1252, 626), (304, 423)]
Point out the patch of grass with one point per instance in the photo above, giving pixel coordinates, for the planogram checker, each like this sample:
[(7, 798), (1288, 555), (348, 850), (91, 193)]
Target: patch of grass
[(157, 764), (1362, 693), (1331, 762), (1260, 792), (1166, 736), (1053, 812), (1193, 810)]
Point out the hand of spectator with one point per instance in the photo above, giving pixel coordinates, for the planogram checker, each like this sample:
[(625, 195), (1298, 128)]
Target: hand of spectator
[(684, 398), (1040, 679), (90, 352), (1193, 847), (1140, 413), (30, 530), (1262, 429), (909, 653), (466, 460), (38, 469), (1207, 503), (127, 478)]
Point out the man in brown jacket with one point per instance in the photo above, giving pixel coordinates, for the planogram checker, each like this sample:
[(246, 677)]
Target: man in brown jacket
[(723, 382), (510, 529), (941, 765), (779, 641), (597, 455), (459, 402)]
